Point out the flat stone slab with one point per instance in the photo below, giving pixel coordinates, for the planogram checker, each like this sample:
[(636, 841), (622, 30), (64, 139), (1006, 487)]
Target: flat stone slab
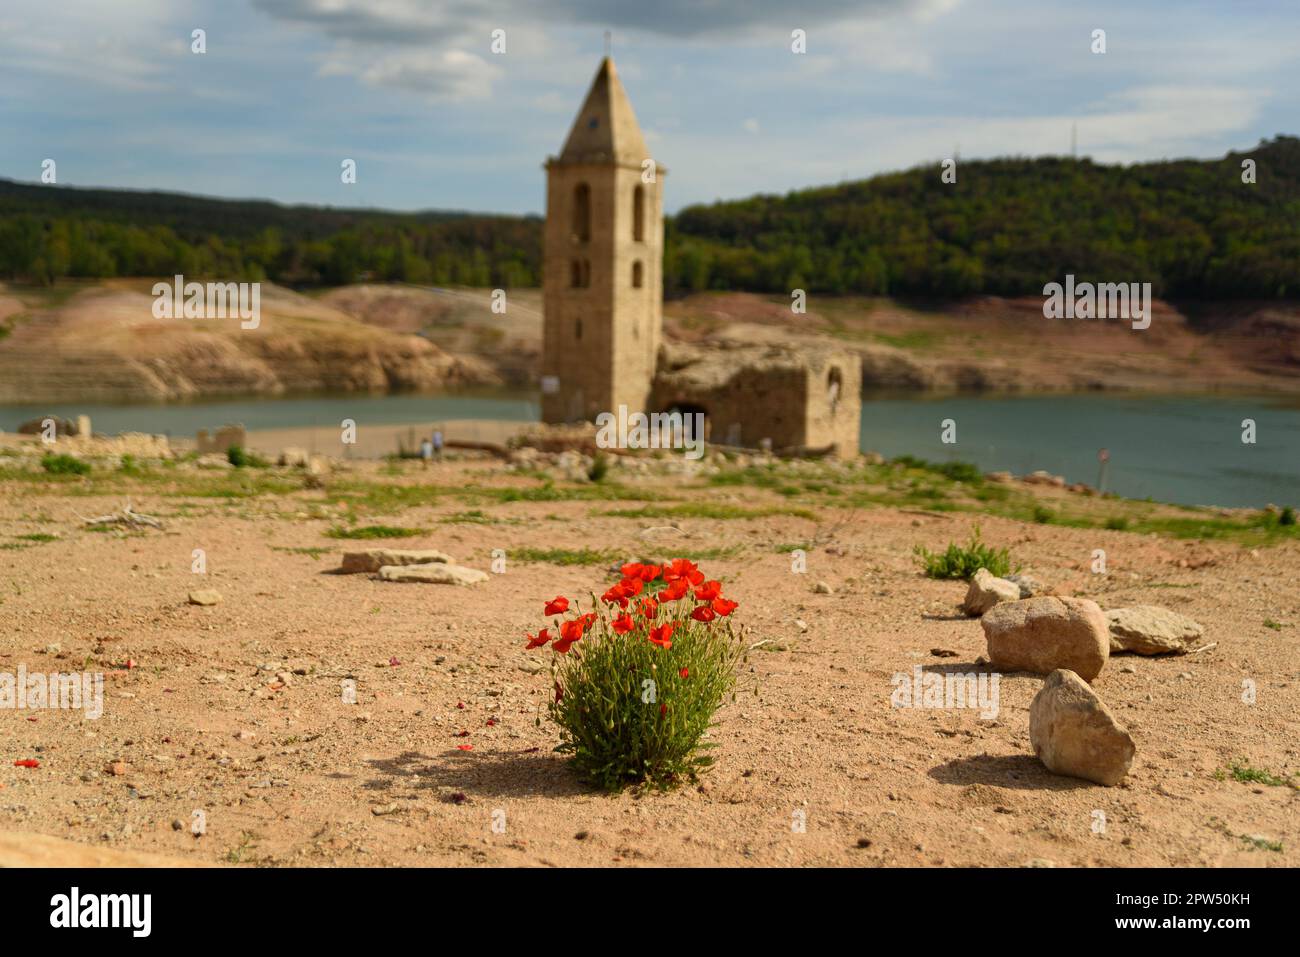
[(434, 573), (373, 559), (1151, 630)]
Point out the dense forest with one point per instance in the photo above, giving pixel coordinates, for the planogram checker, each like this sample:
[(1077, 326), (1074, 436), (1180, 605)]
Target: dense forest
[(1192, 228)]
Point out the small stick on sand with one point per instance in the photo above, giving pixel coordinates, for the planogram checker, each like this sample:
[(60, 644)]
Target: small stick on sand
[(128, 516)]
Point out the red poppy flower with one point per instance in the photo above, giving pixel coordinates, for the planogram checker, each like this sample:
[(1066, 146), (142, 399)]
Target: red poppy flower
[(631, 586), (663, 635), (723, 607), (622, 624), (663, 708), (615, 595), (587, 620), (681, 569), (649, 607), (708, 591), (536, 641), (674, 591), (704, 613), (464, 747), (557, 606), (646, 573), (685, 672), (570, 631), (27, 763)]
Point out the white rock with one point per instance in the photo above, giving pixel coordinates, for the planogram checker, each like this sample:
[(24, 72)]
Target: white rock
[(373, 559), (1151, 630), (435, 573)]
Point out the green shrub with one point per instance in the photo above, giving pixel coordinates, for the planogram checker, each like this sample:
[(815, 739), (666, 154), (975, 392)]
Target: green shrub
[(240, 457), (599, 468), (62, 464), (1287, 517), (637, 682), (963, 562), (1043, 515), (1117, 523)]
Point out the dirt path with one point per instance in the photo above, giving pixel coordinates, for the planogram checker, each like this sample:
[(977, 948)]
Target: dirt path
[(295, 776)]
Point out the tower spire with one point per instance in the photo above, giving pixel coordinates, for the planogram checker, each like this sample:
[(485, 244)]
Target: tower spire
[(606, 130)]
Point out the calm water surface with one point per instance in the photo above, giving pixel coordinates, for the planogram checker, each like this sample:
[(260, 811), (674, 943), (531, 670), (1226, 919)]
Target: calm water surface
[(1184, 449)]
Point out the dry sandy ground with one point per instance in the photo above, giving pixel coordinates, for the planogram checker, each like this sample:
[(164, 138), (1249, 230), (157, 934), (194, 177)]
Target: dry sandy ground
[(811, 737)]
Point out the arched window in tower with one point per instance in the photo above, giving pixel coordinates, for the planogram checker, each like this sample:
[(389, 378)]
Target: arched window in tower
[(637, 270), (638, 214), (582, 212), (834, 383), (575, 274)]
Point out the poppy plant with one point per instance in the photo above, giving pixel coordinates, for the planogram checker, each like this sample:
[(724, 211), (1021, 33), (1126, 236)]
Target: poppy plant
[(632, 634)]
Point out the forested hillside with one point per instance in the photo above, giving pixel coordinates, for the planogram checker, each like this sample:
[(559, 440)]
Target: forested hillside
[(1192, 228)]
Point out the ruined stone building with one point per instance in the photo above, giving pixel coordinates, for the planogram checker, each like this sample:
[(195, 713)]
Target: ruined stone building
[(603, 301)]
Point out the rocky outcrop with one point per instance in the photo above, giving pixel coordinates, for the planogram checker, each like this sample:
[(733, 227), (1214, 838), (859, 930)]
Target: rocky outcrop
[(1151, 630), (105, 345), (1074, 733), (1043, 634)]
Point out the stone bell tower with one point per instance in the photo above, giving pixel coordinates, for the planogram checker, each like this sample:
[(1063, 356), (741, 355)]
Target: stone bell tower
[(602, 262)]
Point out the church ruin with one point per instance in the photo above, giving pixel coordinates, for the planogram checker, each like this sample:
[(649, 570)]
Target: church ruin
[(602, 341)]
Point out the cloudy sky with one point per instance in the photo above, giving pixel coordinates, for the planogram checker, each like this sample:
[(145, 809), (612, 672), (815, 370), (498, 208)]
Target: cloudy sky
[(412, 91)]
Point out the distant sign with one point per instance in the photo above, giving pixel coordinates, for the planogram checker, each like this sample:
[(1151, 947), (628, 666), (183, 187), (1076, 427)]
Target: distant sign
[(1103, 455)]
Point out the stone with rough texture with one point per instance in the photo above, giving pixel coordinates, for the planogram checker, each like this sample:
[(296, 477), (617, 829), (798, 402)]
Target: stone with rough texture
[(1030, 587), (987, 590), (204, 596), (1074, 733), (436, 573), (373, 559), (1047, 633), (1151, 630)]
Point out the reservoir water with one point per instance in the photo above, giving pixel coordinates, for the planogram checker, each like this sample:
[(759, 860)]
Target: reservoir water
[(1185, 449)]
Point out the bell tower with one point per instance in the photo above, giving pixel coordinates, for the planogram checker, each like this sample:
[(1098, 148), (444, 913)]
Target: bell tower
[(602, 285)]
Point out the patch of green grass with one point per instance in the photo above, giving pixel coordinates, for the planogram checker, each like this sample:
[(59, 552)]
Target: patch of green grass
[(1243, 772), (713, 510), (1117, 523), (37, 537), (566, 556), (1043, 515), (315, 553), (954, 471), (473, 517), (64, 464), (376, 531), (961, 562), (14, 546), (1270, 623)]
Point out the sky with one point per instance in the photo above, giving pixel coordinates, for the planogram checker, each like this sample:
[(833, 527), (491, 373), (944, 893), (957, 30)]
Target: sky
[(412, 91)]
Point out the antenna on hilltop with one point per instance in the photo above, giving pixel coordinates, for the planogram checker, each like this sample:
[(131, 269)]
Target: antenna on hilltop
[(1074, 140), (609, 42)]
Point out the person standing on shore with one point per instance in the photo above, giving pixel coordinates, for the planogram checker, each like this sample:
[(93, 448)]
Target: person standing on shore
[(426, 452), (437, 443)]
